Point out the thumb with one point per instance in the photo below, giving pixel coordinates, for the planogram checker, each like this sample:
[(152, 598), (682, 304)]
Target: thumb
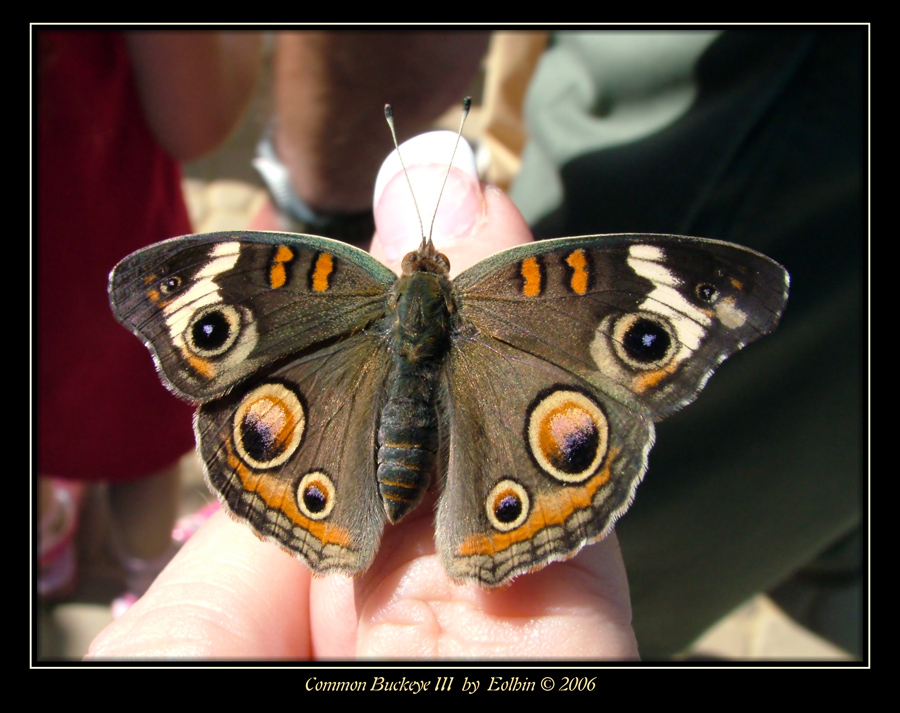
[(473, 220)]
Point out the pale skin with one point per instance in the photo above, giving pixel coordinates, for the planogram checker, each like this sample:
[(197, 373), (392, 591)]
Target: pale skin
[(227, 594), (194, 87)]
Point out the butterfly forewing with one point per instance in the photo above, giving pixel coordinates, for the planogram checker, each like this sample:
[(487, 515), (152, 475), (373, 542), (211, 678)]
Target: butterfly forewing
[(644, 318), (214, 309)]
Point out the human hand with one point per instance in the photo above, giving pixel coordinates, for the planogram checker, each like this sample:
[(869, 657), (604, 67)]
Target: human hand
[(229, 595)]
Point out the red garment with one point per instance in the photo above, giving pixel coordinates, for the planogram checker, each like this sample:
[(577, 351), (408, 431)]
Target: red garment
[(104, 189)]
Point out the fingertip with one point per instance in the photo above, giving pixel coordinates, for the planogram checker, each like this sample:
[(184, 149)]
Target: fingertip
[(502, 227), (430, 197), (473, 220)]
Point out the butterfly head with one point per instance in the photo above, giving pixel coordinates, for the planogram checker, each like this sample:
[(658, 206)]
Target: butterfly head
[(426, 258)]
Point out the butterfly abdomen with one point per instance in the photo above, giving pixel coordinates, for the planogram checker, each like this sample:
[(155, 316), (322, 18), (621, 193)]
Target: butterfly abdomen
[(408, 430)]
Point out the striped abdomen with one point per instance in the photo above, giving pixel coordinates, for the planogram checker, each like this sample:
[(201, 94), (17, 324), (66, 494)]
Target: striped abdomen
[(408, 436)]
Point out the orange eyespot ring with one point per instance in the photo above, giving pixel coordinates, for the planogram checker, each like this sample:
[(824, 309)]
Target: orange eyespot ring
[(567, 434), (268, 426)]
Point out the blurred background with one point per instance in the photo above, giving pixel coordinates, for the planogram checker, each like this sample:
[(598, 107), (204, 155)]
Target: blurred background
[(224, 192)]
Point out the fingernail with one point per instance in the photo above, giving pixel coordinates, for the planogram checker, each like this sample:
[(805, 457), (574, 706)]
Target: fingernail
[(426, 157)]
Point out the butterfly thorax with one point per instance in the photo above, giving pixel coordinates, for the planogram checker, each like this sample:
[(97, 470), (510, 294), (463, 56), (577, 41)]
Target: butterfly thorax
[(408, 436)]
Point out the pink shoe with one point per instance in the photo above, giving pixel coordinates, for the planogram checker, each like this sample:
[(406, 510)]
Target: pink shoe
[(122, 604), (57, 556), (189, 524)]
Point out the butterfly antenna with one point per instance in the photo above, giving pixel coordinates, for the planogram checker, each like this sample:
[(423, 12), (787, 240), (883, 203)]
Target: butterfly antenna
[(467, 105), (389, 117)]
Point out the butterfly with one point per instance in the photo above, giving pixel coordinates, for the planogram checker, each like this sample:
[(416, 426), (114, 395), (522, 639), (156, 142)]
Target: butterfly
[(330, 390)]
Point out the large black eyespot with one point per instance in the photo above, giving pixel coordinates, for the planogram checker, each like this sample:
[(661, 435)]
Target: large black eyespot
[(643, 340), (211, 331), (646, 341), (214, 330)]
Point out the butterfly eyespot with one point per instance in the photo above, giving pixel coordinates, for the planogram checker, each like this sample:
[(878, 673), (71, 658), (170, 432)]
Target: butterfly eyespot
[(567, 434), (643, 342), (268, 426), (706, 292), (213, 330), (315, 495), (508, 505), (169, 285)]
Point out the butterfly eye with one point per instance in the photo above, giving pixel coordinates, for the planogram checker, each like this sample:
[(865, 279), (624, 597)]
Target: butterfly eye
[(643, 342), (706, 292), (507, 505), (169, 285), (646, 341), (213, 330)]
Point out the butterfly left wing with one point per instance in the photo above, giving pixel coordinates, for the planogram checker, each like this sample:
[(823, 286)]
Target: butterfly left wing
[(565, 353), (644, 318)]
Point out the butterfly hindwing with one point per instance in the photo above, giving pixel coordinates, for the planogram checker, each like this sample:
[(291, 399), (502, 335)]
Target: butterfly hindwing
[(214, 309), (540, 462), (292, 454)]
